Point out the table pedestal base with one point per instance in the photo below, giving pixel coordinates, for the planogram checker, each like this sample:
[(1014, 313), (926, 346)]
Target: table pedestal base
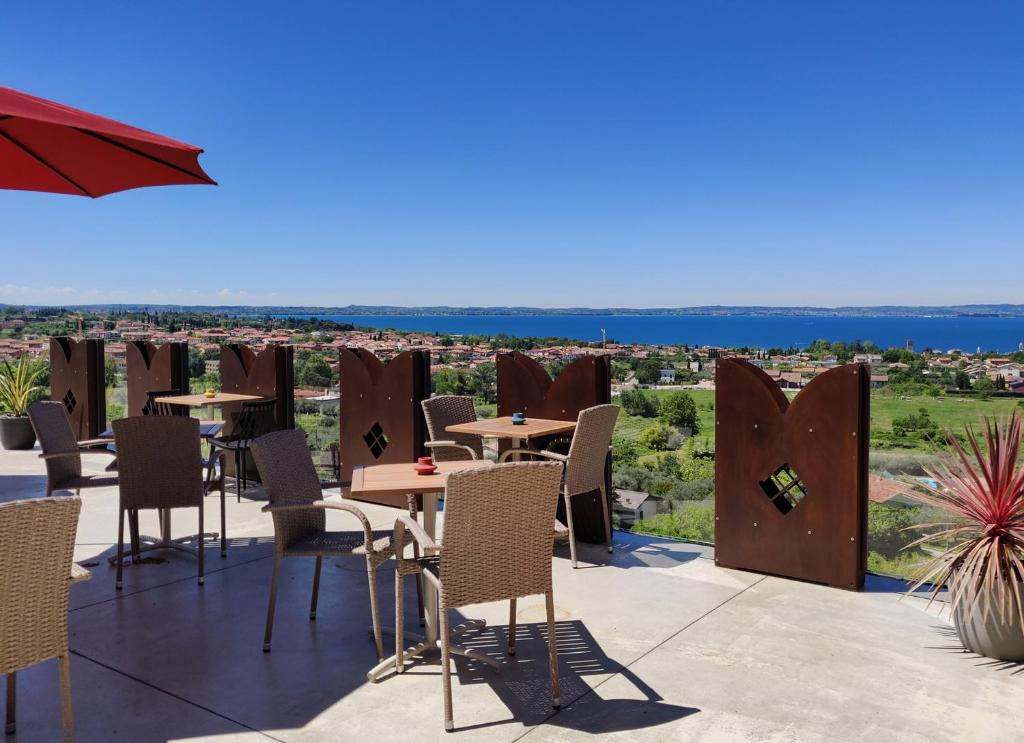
[(425, 646)]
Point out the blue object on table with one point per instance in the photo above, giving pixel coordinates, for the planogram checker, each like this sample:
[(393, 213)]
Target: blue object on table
[(518, 419)]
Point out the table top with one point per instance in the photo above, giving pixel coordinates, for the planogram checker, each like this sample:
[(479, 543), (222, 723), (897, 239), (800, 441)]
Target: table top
[(200, 400), (401, 479), (504, 428)]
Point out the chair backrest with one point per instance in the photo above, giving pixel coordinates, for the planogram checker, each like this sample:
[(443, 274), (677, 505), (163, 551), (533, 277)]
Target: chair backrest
[(498, 532), (153, 407), (256, 419), (159, 461), (289, 478), (589, 449), (53, 429), (37, 541), (447, 410)]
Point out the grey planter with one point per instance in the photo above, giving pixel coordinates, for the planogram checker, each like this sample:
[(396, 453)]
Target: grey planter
[(16, 432), (994, 636)]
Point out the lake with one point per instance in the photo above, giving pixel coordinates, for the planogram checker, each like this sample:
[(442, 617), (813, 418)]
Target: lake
[(966, 333)]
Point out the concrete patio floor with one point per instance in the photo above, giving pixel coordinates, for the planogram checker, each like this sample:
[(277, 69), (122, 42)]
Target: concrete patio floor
[(655, 642)]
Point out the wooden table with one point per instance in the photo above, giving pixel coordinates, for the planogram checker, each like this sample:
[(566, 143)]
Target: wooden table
[(504, 428), (401, 479)]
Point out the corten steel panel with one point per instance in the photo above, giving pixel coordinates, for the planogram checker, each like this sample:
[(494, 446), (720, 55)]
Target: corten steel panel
[(381, 416), (822, 435), (77, 379), (267, 373), (525, 386), (152, 367)]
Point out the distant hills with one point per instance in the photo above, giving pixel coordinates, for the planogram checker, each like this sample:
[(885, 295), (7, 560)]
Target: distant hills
[(964, 310)]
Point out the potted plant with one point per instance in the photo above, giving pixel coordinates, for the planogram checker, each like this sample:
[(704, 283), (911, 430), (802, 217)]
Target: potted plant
[(981, 557), (17, 385)]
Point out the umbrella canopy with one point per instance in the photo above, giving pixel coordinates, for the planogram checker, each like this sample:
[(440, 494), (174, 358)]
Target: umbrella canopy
[(45, 146)]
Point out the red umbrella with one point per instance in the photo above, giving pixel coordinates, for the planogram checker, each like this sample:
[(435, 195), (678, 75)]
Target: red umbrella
[(45, 146)]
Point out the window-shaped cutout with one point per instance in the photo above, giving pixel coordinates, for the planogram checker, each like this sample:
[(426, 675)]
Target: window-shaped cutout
[(69, 402), (376, 440), (784, 489)]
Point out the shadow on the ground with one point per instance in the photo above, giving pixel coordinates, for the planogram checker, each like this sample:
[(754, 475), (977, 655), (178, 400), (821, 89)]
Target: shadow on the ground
[(1014, 668), (524, 687), (18, 487)]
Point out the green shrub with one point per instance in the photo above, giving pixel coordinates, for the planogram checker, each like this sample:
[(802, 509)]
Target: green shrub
[(638, 402), (679, 410), (694, 521), (887, 526)]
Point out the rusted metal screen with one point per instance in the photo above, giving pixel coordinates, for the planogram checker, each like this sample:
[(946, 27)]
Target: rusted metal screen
[(381, 418), (267, 373), (525, 386), (152, 367), (77, 379), (791, 477)]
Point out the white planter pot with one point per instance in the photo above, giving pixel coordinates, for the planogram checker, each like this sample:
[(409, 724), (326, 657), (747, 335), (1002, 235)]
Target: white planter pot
[(994, 636)]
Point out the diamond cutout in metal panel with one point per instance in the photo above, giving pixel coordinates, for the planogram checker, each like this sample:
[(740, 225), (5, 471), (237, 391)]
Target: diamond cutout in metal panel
[(69, 401), (376, 440), (784, 489)]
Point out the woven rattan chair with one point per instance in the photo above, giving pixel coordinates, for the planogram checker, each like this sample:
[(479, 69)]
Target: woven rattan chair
[(37, 540), (447, 410), (300, 521), (160, 467), (496, 547), (584, 464), (256, 419), (63, 453)]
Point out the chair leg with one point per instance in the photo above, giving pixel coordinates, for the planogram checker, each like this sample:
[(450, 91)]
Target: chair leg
[(446, 671), (316, 587), (414, 513), (201, 545), (64, 662), (238, 475), (273, 602), (556, 689), (120, 548), (512, 627), (133, 535), (223, 516), (399, 621), (371, 576), (572, 534), (12, 692), (607, 518)]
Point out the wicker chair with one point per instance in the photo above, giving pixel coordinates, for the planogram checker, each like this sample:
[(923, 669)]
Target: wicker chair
[(300, 521), (256, 419), (496, 547), (37, 540), (161, 467), (63, 453), (447, 410), (584, 464)]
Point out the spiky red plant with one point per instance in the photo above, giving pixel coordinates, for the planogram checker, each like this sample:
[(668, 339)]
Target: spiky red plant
[(984, 488)]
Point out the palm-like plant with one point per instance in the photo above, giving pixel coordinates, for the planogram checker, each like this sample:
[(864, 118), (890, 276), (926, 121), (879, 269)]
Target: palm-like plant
[(984, 488), (17, 385)]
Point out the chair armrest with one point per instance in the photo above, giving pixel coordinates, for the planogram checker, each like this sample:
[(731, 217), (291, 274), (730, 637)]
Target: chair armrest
[(452, 444), (406, 522), (88, 443), (534, 453), (327, 506), (76, 453)]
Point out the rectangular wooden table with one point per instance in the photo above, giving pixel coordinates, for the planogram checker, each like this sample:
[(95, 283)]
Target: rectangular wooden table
[(402, 479), (504, 428)]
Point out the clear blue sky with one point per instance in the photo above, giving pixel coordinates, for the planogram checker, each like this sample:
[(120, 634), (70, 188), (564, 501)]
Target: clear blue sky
[(549, 153)]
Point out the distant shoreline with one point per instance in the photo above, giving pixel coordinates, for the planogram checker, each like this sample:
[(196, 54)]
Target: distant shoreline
[(876, 311)]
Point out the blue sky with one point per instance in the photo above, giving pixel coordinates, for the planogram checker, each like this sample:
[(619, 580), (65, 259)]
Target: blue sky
[(549, 153)]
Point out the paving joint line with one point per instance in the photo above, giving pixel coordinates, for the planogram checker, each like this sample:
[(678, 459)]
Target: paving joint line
[(174, 696), (123, 594), (639, 658)]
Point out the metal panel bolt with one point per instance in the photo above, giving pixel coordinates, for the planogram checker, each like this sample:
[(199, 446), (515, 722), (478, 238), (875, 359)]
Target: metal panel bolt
[(810, 430), (755, 523), (755, 425), (808, 532)]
